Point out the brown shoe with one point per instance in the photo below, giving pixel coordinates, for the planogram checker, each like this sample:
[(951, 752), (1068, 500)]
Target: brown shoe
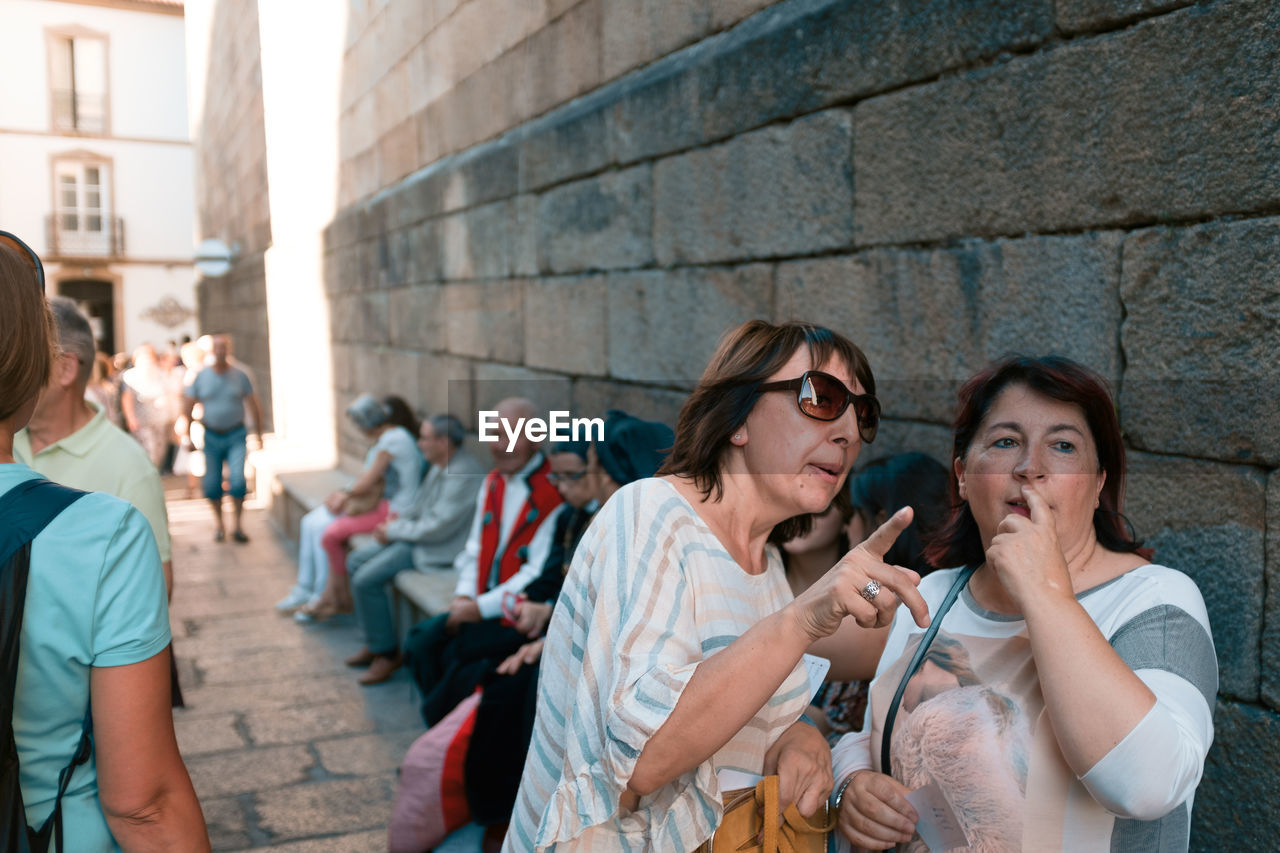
[(364, 657), (382, 668), (319, 612)]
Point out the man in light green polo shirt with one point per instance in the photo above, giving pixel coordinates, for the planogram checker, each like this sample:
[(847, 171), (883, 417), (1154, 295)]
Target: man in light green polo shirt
[(70, 440)]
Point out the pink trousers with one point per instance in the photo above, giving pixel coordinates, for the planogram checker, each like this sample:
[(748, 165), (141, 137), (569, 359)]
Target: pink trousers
[(342, 528)]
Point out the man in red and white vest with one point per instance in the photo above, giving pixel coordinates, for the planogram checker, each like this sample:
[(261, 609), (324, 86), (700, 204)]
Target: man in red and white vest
[(510, 538), (504, 551)]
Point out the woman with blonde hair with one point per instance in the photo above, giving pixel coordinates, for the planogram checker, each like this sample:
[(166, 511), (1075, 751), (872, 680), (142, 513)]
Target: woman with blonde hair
[(93, 652)]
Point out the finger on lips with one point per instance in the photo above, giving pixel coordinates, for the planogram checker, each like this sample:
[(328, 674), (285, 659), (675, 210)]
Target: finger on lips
[(1037, 505)]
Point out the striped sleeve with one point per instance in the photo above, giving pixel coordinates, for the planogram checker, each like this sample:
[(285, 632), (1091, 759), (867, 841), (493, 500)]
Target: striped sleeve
[(634, 649)]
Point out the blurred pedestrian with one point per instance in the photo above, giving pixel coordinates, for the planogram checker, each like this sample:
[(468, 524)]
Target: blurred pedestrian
[(224, 393)]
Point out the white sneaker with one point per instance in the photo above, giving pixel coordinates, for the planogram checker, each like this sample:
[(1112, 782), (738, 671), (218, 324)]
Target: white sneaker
[(291, 602), (303, 614)]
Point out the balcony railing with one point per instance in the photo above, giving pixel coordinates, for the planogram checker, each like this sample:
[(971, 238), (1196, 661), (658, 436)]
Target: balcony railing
[(74, 110), (107, 241)]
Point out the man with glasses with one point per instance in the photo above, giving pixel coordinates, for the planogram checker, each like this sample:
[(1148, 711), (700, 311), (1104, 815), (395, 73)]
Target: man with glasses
[(427, 537)]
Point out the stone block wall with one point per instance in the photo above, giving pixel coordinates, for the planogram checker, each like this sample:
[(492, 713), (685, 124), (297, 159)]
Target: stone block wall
[(576, 198), (943, 180), (231, 188), (424, 79)]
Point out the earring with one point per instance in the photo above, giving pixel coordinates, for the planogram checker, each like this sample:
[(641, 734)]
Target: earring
[(738, 437)]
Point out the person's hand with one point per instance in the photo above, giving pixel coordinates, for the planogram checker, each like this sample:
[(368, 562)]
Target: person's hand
[(1026, 556), (380, 534), (838, 593), (463, 609), (874, 812), (335, 502), (526, 655), (532, 617), (802, 759)]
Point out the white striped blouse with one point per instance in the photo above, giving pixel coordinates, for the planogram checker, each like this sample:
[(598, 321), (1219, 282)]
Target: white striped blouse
[(650, 593)]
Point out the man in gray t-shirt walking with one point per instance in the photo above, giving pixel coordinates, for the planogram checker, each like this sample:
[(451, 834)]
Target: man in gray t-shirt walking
[(224, 392)]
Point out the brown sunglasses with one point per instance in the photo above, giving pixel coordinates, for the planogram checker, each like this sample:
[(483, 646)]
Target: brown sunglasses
[(824, 398), (25, 252)]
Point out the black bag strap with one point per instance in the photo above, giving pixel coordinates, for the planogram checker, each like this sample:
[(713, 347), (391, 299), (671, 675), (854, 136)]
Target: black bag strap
[(26, 510), (917, 659), (40, 838)]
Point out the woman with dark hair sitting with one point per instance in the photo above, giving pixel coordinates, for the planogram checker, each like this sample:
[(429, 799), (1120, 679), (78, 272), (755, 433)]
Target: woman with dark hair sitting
[(673, 661), (1074, 705), (885, 485)]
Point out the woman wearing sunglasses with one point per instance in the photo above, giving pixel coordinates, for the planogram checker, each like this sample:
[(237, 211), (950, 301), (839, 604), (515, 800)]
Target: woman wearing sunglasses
[(95, 626), (672, 667), (1066, 701)]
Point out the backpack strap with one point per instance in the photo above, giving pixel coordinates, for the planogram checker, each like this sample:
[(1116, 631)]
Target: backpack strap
[(26, 510), (84, 750), (916, 660)]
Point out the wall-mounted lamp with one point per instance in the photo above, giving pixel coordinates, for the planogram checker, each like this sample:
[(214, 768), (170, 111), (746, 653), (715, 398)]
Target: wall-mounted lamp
[(214, 258)]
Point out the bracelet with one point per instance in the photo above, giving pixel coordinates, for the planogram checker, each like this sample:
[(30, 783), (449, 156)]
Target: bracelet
[(839, 798)]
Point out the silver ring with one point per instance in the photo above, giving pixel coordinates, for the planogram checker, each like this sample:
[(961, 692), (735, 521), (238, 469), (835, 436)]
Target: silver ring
[(870, 591)]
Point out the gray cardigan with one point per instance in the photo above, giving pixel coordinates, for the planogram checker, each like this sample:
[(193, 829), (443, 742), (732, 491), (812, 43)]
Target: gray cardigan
[(438, 520)]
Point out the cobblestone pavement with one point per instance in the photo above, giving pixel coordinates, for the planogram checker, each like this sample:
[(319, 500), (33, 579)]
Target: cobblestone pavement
[(287, 752)]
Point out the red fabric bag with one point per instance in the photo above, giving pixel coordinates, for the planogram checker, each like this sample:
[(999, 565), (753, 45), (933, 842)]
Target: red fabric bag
[(432, 799)]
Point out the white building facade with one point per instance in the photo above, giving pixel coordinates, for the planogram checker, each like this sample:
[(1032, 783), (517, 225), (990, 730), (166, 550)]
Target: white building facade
[(96, 165)]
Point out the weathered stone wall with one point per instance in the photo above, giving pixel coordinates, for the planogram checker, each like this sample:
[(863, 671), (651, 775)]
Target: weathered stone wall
[(942, 180), (231, 187), (427, 78)]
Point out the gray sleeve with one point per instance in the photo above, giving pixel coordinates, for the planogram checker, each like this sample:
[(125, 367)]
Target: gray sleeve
[(1156, 767), (442, 518)]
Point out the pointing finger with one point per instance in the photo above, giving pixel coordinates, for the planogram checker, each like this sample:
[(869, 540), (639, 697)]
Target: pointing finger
[(879, 542)]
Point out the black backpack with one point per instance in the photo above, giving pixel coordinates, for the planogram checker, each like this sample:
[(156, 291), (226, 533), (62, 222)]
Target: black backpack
[(25, 510)]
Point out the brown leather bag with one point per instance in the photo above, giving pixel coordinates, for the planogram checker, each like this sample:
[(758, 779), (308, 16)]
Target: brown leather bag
[(751, 824), (365, 501)]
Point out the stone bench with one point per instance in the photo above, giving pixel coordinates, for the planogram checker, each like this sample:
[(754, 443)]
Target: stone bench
[(415, 595)]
